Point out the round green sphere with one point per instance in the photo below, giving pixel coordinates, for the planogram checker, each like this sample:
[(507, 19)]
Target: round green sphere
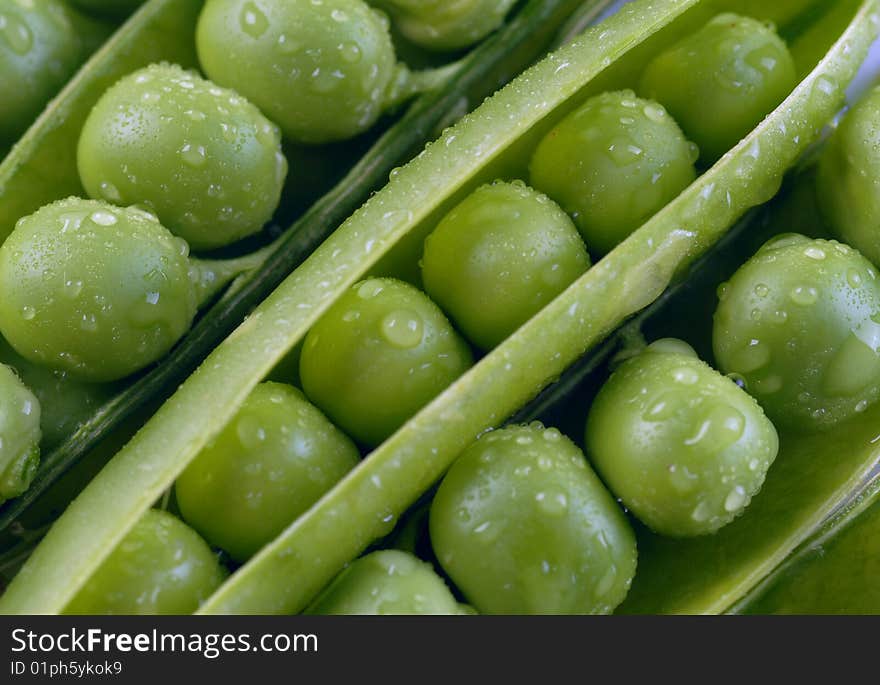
[(800, 323), (202, 158), (848, 178), (19, 435), (321, 70), (40, 47), (683, 447), (498, 258), (94, 290), (443, 25), (378, 355), (612, 164), (161, 567), (273, 461), (386, 583), (722, 80), (522, 525)]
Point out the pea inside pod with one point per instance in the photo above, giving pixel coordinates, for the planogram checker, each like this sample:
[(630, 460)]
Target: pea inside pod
[(19, 434), (683, 447), (720, 81), (800, 322), (612, 164), (384, 583), (443, 25), (498, 257), (848, 178), (99, 291), (202, 158), (273, 462), (42, 42), (323, 71), (522, 525), (381, 353), (161, 567)]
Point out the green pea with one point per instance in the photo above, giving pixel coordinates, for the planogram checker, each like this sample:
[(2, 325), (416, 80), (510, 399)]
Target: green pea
[(322, 71), (378, 355), (40, 47), (201, 157), (94, 290), (683, 447), (444, 25), (721, 81), (19, 435), (112, 8), (800, 323), (522, 525), (612, 164), (385, 583), (65, 402), (276, 458), (161, 567), (848, 178), (498, 258)]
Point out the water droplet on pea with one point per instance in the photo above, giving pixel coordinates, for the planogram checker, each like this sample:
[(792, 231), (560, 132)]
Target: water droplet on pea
[(17, 34), (194, 155), (103, 218), (682, 479), (72, 288), (252, 20), (736, 499), (755, 356), (251, 434), (804, 295), (28, 313), (403, 328), (685, 376)]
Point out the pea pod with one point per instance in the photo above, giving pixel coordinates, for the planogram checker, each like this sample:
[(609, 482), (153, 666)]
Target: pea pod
[(494, 141), (493, 61), (833, 572)]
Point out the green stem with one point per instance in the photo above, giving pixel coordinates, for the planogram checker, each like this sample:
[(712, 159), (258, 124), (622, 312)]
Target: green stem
[(409, 84), (211, 276)]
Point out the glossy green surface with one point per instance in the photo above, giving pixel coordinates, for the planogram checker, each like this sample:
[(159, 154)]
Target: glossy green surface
[(321, 71), (612, 164), (495, 138), (42, 167), (445, 25), (42, 42), (500, 256), (523, 525), (202, 158), (848, 178), (833, 573), (386, 583), (800, 322), (682, 446), (381, 353), (19, 434), (161, 567), (720, 82), (270, 464), (65, 401), (94, 290)]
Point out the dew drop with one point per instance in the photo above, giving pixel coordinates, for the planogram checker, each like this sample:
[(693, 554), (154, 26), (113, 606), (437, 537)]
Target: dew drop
[(103, 218), (403, 328), (72, 288), (735, 499), (251, 434), (17, 34), (804, 295), (28, 313), (253, 21), (194, 155)]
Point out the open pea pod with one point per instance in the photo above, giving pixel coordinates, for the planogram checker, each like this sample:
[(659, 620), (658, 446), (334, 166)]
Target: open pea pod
[(41, 167), (494, 141), (833, 572)]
